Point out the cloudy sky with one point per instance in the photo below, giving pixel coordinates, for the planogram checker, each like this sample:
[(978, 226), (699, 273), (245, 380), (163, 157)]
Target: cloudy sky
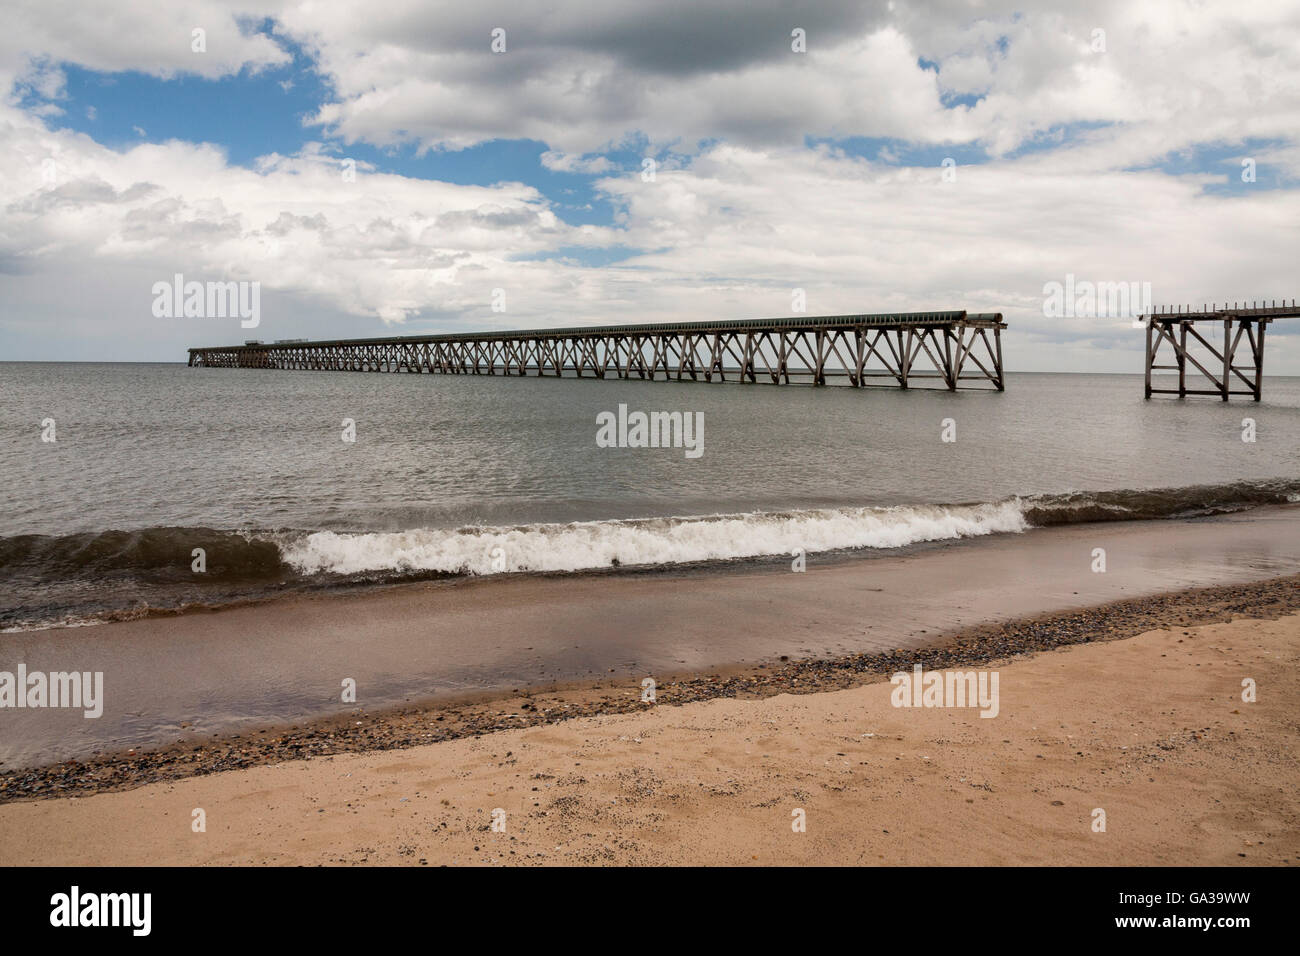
[(380, 169)]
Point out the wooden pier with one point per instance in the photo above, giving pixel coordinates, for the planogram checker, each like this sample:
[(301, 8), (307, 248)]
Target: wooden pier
[(1248, 320), (949, 349)]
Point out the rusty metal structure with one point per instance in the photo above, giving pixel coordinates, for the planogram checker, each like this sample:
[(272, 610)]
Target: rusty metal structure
[(1236, 363), (900, 350)]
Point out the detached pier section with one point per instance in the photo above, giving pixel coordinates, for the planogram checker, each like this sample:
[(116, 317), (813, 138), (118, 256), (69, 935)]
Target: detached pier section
[(898, 349), (1239, 362)]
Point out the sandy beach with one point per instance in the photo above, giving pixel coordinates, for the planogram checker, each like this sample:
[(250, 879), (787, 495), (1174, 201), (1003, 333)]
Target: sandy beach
[(1151, 729)]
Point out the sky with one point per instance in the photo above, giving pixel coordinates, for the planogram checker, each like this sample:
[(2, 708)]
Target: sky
[(404, 167)]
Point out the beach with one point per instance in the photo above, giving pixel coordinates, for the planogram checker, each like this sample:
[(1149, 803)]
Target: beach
[(1150, 729)]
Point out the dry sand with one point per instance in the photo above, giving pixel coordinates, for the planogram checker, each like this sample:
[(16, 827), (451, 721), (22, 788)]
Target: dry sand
[(1152, 730)]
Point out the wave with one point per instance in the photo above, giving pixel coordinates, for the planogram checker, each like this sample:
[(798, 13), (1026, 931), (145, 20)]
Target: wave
[(1130, 505), (588, 545), (160, 553), (114, 575), (581, 546)]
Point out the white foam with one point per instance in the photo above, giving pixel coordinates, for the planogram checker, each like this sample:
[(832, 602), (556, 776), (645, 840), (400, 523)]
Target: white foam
[(601, 544)]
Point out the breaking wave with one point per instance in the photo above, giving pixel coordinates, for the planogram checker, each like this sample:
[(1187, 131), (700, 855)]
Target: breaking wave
[(580, 546), (112, 575)]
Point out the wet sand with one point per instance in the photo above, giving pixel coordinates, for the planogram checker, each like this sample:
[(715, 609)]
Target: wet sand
[(1152, 731), (171, 679), (403, 728)]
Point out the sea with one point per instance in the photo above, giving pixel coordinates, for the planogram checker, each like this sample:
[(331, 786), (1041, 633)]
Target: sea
[(138, 489)]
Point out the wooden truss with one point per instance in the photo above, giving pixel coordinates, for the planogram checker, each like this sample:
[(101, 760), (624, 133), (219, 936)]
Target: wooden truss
[(1239, 362)]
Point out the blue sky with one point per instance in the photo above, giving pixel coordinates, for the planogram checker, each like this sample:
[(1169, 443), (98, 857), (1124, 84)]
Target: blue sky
[(251, 114)]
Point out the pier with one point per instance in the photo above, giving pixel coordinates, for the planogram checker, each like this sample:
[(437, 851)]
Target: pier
[(950, 349), (1238, 362)]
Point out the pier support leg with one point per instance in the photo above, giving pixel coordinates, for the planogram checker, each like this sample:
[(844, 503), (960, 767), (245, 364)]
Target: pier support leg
[(997, 342), (1227, 357), (949, 368), (1182, 360), (1150, 351), (1259, 359)]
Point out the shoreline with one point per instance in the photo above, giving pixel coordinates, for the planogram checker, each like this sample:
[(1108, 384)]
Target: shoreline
[(192, 677), (287, 580), (405, 727)]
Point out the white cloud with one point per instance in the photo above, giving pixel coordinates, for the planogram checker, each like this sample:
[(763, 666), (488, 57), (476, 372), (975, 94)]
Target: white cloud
[(731, 235), (570, 163), (580, 78), (728, 228), (383, 246), (154, 38)]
